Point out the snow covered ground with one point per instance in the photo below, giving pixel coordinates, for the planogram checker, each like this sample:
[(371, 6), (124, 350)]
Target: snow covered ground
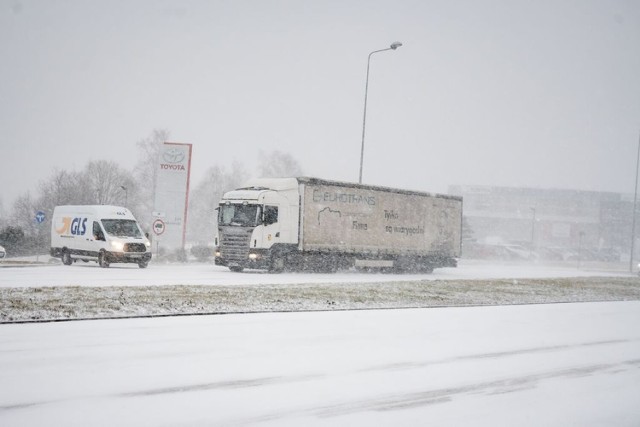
[(551, 365), (89, 274), (86, 291), (526, 365)]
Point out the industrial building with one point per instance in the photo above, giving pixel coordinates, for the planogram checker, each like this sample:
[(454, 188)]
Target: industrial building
[(503, 222)]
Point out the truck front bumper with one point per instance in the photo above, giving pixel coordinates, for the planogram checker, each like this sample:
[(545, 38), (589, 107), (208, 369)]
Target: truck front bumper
[(256, 259), (129, 257)]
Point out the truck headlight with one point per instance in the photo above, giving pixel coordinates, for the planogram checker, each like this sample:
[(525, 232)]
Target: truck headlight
[(117, 246), (147, 244), (253, 257)]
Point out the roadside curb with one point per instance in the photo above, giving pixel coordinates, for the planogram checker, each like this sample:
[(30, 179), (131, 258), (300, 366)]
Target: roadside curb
[(24, 264)]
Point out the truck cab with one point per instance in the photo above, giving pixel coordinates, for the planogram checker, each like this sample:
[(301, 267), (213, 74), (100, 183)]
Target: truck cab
[(258, 224)]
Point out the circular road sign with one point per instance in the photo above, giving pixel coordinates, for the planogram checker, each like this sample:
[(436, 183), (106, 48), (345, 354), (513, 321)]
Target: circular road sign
[(158, 227), (40, 217)]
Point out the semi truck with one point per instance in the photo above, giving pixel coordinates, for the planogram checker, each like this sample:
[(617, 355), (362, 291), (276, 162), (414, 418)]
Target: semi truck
[(304, 223)]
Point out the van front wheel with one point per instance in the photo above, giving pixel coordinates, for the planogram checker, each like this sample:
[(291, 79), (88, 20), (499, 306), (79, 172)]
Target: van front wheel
[(102, 260), (143, 264), (66, 258)]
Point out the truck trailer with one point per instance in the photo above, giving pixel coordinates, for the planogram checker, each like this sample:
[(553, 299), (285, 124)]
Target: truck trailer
[(304, 223)]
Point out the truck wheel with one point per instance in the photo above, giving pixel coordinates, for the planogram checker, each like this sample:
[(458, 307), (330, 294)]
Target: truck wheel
[(236, 269), (102, 260), (66, 258)]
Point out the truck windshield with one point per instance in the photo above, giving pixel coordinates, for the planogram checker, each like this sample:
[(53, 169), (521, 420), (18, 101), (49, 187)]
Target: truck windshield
[(240, 215), (121, 227)]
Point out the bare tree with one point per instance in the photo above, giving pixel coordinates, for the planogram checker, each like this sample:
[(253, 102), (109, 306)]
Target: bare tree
[(64, 188), (35, 237), (23, 211), (4, 216), (277, 164), (205, 197), (105, 180)]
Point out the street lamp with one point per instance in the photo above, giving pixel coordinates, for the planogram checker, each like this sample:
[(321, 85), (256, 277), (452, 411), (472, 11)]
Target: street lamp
[(393, 46), (126, 194)]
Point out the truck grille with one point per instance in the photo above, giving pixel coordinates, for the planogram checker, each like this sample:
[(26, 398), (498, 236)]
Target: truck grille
[(234, 243), (135, 247)]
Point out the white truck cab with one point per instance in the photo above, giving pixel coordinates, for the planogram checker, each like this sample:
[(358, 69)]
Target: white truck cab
[(105, 234), (255, 220)]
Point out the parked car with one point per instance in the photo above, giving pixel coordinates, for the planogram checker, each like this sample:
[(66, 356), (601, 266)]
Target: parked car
[(3, 253)]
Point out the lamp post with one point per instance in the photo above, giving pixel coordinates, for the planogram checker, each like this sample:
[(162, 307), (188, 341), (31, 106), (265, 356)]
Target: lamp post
[(393, 46), (126, 194)]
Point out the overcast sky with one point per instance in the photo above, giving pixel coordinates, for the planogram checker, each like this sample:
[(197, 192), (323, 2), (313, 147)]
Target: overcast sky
[(502, 92)]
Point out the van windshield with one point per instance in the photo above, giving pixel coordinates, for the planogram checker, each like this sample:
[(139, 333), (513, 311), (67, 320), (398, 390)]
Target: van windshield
[(239, 215), (121, 227)]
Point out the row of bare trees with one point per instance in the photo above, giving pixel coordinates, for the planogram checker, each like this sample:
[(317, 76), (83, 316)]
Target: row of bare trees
[(107, 183)]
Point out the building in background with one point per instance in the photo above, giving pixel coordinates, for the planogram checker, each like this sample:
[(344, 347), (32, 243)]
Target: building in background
[(528, 223), (171, 197)]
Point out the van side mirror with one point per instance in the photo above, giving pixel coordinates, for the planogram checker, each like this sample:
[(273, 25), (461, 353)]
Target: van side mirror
[(146, 234)]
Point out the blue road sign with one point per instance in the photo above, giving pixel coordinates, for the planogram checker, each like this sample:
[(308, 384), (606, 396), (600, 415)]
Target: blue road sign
[(40, 217)]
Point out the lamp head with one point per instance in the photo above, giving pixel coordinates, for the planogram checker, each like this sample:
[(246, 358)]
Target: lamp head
[(395, 45)]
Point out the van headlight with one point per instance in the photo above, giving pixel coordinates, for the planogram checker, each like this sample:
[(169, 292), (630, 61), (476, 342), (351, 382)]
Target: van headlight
[(117, 246), (147, 244)]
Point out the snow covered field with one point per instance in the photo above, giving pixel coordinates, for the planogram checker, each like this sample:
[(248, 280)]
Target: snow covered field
[(525, 365), (86, 291), (551, 365)]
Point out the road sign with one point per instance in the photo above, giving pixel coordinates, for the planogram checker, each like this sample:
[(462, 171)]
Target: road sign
[(40, 217), (158, 227)]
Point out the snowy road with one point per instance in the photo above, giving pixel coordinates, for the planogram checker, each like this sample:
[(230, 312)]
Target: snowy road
[(89, 274), (552, 365)]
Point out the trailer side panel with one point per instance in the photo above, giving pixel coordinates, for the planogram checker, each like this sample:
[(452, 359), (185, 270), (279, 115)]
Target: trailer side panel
[(372, 220)]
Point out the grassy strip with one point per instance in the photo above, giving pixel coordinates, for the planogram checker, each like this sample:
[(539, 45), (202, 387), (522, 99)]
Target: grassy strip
[(69, 302)]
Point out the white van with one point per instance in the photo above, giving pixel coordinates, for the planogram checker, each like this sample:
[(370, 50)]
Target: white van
[(105, 234)]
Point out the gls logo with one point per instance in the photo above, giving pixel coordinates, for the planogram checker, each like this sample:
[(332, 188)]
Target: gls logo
[(75, 226)]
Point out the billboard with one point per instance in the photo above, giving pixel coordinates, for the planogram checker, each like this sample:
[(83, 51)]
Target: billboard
[(171, 196)]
